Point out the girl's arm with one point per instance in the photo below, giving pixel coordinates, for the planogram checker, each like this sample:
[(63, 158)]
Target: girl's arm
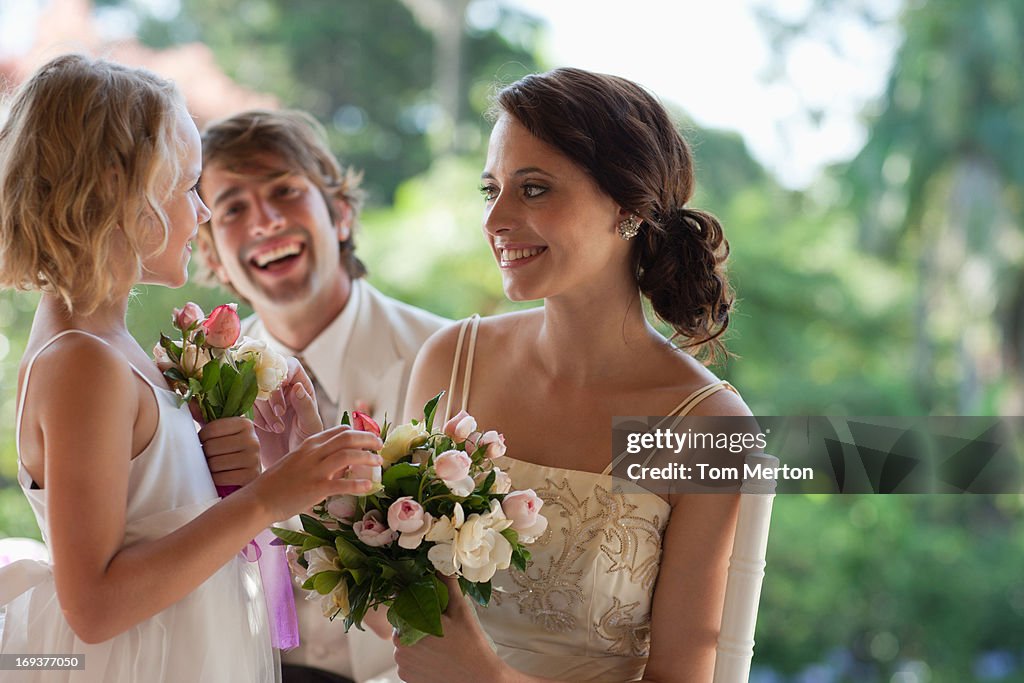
[(104, 587)]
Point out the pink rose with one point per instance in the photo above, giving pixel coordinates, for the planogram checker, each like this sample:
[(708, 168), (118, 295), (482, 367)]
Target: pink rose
[(494, 442), (452, 465), (372, 531), (523, 508), (405, 514), (460, 427), (163, 360), (222, 327), (342, 507), (364, 423), (187, 316)]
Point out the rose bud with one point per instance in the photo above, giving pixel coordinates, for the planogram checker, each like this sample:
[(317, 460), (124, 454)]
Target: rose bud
[(222, 327), (452, 465), (372, 531), (342, 507), (460, 427), (523, 508), (163, 361), (494, 442), (405, 514), (364, 423), (187, 316)]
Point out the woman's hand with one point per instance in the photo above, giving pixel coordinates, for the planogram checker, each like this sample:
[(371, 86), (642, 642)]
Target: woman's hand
[(288, 416), (232, 450), (463, 654)]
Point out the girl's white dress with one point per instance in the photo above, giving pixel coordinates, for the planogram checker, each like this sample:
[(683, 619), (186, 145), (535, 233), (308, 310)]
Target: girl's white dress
[(217, 633)]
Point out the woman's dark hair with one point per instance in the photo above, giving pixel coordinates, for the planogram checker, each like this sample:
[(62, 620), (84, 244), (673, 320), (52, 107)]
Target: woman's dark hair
[(623, 137)]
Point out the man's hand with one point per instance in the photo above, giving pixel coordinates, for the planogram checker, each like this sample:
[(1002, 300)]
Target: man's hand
[(288, 417)]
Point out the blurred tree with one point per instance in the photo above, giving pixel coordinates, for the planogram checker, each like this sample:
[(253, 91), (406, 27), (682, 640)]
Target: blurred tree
[(938, 187), (393, 79)]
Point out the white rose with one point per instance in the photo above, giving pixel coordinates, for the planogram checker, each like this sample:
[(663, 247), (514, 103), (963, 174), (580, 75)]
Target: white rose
[(502, 482), (479, 548), (336, 600), (444, 528), (271, 367), (298, 571), (321, 559), (193, 358), (443, 533), (401, 440)]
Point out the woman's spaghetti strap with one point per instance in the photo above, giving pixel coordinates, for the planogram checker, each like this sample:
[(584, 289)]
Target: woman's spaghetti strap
[(473, 323), (679, 412)]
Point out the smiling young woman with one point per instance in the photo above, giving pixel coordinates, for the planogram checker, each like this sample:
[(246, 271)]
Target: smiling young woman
[(585, 193)]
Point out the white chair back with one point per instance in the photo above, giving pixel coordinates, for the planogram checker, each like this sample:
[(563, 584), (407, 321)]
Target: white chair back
[(746, 573)]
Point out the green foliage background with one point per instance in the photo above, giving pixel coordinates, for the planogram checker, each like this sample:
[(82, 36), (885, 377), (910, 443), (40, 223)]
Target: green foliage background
[(892, 286)]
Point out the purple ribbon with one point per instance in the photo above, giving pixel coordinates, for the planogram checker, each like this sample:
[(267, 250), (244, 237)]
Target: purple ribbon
[(277, 584)]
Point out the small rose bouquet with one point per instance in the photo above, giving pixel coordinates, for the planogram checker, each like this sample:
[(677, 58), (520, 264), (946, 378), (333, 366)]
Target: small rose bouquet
[(442, 506), (225, 374)]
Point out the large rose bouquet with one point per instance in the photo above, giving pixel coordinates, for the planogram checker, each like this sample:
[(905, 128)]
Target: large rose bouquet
[(210, 363), (442, 506)]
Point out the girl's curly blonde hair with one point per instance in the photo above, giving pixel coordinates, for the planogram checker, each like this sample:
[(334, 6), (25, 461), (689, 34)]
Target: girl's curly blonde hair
[(87, 157)]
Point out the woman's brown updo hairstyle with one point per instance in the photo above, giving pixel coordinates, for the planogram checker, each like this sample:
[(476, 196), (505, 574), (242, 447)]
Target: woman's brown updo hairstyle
[(623, 137)]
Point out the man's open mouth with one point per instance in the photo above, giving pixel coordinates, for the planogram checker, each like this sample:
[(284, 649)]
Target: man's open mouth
[(278, 257)]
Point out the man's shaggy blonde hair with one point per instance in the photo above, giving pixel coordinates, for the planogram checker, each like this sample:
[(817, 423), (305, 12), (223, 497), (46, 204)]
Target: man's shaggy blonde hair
[(87, 156)]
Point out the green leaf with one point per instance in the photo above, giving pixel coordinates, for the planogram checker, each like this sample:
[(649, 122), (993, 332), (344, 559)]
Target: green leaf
[(308, 584), (172, 349), (314, 527), (175, 375), (325, 582), (358, 575), (396, 472), (239, 387), (520, 557), (313, 542), (351, 557), (512, 536), (195, 387), (288, 536), (407, 633), (211, 375), (249, 397), (428, 412), (345, 419), (487, 483), (358, 603), (480, 593), (419, 605)]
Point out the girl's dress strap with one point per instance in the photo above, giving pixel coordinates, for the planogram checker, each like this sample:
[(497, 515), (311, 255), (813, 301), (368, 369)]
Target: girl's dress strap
[(472, 323), (32, 360), (680, 411), (28, 372)]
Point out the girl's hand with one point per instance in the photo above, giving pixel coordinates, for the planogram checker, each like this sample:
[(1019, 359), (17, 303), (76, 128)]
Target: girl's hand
[(314, 470), (232, 451), (464, 653), (288, 416)]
